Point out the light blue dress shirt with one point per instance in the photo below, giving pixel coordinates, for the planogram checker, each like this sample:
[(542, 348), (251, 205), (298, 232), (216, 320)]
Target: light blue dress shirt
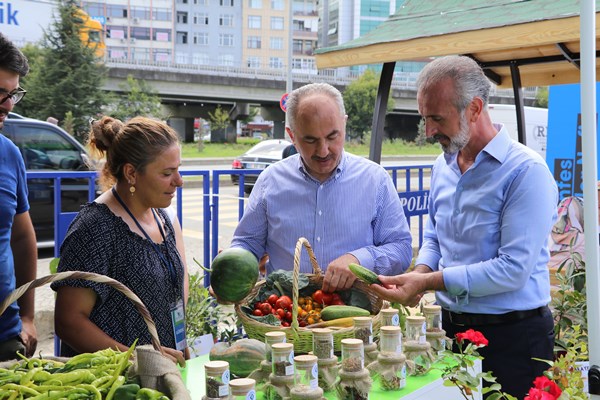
[(488, 229), (356, 210)]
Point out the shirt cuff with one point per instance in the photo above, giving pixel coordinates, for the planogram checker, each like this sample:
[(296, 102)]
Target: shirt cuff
[(364, 258), (456, 282), (428, 259)]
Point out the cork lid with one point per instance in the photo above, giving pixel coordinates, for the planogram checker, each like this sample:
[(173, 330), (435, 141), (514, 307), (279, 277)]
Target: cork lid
[(322, 332), (432, 309), (275, 337), (390, 330), (389, 311), (241, 386), (305, 361), (216, 367), (415, 320), (352, 343), (282, 347), (362, 321)]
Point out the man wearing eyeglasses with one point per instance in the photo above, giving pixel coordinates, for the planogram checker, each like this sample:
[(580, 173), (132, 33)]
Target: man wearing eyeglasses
[(18, 251)]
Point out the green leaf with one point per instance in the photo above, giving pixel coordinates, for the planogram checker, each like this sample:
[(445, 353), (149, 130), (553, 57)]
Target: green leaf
[(54, 265)]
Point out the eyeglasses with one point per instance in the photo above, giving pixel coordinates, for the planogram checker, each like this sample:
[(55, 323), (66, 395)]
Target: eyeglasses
[(16, 95)]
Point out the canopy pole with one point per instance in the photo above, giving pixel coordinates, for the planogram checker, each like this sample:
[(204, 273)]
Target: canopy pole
[(515, 76), (590, 190), (381, 102)]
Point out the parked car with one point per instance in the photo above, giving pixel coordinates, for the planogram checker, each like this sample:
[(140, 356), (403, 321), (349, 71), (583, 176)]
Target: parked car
[(47, 147), (260, 156)]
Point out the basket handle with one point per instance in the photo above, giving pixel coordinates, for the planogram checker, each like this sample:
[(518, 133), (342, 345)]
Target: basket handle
[(295, 276), (88, 276)]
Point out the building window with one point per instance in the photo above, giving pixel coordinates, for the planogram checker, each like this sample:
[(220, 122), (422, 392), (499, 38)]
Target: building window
[(297, 46), (200, 59), (277, 23), (118, 53), (200, 38), (161, 35), (200, 19), (140, 12), (116, 11), (161, 14), (226, 20), (276, 43), (255, 3), (226, 60), (182, 37), (226, 3), (116, 32), (253, 62), (277, 5), (182, 1), (254, 42), (201, 2), (140, 33), (226, 39), (182, 18), (276, 62), (254, 22)]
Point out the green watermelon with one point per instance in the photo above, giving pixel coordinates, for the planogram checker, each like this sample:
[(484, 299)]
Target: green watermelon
[(233, 274)]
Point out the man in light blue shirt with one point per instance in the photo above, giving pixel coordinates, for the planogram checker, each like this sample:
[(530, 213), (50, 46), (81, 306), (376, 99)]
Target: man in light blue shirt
[(346, 206), (492, 206)]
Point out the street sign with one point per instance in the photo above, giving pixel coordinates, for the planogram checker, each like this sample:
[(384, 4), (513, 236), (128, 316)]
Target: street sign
[(283, 101)]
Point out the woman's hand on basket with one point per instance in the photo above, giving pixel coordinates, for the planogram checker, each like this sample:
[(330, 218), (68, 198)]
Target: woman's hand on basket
[(29, 336), (174, 355), (338, 276)]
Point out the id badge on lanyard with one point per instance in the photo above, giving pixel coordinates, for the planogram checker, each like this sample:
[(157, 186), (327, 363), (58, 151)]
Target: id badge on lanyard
[(178, 321)]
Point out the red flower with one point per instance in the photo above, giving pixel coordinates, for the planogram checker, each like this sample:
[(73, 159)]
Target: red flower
[(543, 389), (473, 336)]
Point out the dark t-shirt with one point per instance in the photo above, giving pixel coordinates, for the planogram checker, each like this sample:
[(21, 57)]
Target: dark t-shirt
[(101, 242)]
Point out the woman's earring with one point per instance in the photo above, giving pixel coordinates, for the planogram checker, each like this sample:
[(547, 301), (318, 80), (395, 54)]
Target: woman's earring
[(131, 189)]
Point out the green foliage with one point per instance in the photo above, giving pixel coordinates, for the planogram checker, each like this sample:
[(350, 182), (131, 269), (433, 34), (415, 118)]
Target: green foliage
[(65, 75), (541, 97), (203, 313), (421, 138), (359, 100), (564, 372), (138, 99), (219, 119), (569, 306), (69, 123)]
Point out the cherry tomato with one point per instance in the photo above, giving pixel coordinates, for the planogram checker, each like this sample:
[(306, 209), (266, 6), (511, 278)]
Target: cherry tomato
[(257, 305), (272, 299), (285, 323), (318, 296), (327, 298), (265, 308), (288, 316), (281, 313), (257, 313), (302, 323)]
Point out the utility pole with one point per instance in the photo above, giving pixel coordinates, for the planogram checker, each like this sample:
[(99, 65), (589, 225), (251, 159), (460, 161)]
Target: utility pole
[(289, 86)]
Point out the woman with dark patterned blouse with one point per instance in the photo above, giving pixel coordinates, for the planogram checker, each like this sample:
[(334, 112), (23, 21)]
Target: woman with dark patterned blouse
[(128, 235)]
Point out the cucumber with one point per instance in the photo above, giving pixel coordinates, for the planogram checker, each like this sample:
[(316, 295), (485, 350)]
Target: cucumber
[(366, 275), (334, 312)]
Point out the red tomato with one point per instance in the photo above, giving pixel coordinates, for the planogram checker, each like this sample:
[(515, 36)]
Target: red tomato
[(257, 304), (302, 323), (337, 303), (265, 308), (318, 296), (272, 299), (288, 316), (335, 297), (285, 323), (327, 298), (284, 302), (257, 313), (281, 313)]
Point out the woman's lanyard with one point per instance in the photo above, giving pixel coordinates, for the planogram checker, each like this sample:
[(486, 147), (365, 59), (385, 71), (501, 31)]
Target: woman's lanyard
[(166, 260)]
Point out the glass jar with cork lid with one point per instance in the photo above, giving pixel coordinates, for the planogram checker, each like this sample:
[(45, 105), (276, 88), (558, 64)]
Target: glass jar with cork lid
[(216, 380), (327, 361), (390, 317), (390, 365), (281, 379), (363, 330), (242, 389), (435, 335), (416, 347), (355, 381), (306, 386)]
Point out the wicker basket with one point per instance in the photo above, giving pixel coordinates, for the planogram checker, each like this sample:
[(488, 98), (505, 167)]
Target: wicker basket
[(299, 336), (167, 379)]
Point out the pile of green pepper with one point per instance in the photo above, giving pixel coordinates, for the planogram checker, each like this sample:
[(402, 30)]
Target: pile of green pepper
[(93, 376)]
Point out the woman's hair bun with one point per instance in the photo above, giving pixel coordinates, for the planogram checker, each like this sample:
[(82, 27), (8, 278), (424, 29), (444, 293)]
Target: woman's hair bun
[(104, 132)]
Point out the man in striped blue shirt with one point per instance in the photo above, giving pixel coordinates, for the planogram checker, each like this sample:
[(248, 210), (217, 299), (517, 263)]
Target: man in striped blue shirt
[(491, 208), (346, 206)]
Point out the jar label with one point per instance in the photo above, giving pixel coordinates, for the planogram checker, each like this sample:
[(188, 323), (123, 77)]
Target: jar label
[(223, 390), (314, 383), (399, 348), (315, 371), (225, 377), (289, 370), (291, 358), (251, 395), (395, 320)]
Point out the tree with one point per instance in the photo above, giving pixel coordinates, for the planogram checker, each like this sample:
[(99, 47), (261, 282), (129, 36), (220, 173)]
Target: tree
[(541, 97), (219, 121), (67, 75), (139, 98), (359, 99)]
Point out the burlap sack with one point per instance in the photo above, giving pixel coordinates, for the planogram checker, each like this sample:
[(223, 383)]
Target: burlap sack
[(158, 372)]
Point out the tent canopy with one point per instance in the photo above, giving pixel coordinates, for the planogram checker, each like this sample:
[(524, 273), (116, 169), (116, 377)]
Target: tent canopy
[(539, 37)]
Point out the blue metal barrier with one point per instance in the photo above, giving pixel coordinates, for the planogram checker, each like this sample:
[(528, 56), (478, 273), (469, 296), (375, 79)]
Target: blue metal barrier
[(410, 181)]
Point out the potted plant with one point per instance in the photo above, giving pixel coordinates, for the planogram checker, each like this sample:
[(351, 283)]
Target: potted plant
[(206, 320)]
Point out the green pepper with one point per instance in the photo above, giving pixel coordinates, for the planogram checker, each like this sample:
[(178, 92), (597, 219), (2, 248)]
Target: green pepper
[(150, 394), (126, 392)]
